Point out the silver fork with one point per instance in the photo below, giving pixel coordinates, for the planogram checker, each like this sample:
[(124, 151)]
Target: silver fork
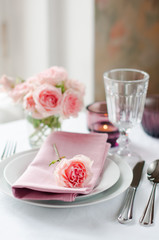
[(9, 149)]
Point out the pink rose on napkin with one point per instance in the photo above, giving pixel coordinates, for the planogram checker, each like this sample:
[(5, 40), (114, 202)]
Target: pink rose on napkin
[(39, 181), (75, 172), (72, 103)]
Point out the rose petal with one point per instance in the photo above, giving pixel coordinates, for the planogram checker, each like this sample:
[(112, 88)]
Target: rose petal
[(74, 172)]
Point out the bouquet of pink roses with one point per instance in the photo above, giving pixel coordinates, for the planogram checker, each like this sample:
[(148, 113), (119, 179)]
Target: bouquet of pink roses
[(47, 96)]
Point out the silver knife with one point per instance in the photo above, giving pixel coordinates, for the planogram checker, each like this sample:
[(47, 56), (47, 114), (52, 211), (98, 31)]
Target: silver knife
[(125, 215)]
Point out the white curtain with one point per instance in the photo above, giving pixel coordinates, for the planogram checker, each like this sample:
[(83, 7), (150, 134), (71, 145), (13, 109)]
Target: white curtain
[(23, 37)]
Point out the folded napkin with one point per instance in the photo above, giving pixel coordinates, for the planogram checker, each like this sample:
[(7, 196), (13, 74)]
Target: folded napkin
[(38, 183)]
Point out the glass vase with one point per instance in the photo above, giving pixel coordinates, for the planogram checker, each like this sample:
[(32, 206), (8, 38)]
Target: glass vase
[(39, 129)]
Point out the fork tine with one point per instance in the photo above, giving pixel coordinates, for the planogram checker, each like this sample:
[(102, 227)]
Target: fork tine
[(12, 149), (9, 149), (4, 151)]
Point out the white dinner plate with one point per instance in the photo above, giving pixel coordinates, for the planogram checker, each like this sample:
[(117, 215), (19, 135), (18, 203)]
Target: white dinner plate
[(15, 168), (121, 185)]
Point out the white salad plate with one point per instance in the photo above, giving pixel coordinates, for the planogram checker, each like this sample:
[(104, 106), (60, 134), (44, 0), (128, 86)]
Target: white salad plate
[(15, 168), (116, 178)]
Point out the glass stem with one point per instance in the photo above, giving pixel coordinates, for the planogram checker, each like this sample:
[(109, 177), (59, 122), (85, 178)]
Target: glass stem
[(123, 142)]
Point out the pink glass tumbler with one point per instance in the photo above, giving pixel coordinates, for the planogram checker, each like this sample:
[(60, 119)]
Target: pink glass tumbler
[(97, 121)]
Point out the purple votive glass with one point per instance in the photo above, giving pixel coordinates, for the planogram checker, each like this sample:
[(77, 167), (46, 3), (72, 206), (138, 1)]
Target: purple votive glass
[(97, 121), (150, 120)]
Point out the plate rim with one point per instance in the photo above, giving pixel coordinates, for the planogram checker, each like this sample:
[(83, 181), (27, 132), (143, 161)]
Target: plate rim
[(111, 193), (110, 161)]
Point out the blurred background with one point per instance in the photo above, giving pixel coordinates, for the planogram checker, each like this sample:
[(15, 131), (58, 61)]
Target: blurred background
[(127, 35), (87, 37)]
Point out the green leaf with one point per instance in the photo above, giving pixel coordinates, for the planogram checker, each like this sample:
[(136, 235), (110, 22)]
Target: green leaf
[(51, 122), (19, 80), (61, 86), (58, 160), (53, 162)]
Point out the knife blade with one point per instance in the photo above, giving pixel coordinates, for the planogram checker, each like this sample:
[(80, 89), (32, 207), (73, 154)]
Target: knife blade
[(126, 213)]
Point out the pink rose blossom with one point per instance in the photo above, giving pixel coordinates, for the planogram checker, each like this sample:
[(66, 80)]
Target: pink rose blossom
[(33, 82), (47, 99), (29, 102), (46, 94), (76, 85), (7, 82), (54, 75), (29, 105), (72, 103), (20, 90), (74, 172)]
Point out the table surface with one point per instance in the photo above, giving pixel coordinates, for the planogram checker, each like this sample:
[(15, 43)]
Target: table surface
[(22, 221)]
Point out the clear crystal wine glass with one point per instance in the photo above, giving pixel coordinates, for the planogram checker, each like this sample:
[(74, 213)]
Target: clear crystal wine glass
[(125, 96)]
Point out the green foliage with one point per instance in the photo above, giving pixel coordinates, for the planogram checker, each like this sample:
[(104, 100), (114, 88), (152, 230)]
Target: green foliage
[(61, 86), (58, 160), (51, 122), (19, 80)]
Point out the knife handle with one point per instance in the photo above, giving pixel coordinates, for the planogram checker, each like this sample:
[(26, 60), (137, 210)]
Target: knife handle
[(125, 215)]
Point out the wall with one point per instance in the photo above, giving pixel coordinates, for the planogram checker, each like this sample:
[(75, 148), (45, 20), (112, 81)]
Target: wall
[(126, 35)]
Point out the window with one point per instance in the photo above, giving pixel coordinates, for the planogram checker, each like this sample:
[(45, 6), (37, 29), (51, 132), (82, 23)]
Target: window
[(35, 35)]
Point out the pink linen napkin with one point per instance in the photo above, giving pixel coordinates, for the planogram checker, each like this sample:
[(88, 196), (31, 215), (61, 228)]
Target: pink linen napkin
[(38, 183)]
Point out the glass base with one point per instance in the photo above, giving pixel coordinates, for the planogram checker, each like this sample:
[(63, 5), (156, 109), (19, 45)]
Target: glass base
[(131, 157), (37, 137)]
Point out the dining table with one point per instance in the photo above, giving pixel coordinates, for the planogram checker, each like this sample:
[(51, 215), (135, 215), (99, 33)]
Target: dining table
[(94, 220)]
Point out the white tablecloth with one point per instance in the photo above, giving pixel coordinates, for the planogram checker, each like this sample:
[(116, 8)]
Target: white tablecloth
[(21, 221)]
